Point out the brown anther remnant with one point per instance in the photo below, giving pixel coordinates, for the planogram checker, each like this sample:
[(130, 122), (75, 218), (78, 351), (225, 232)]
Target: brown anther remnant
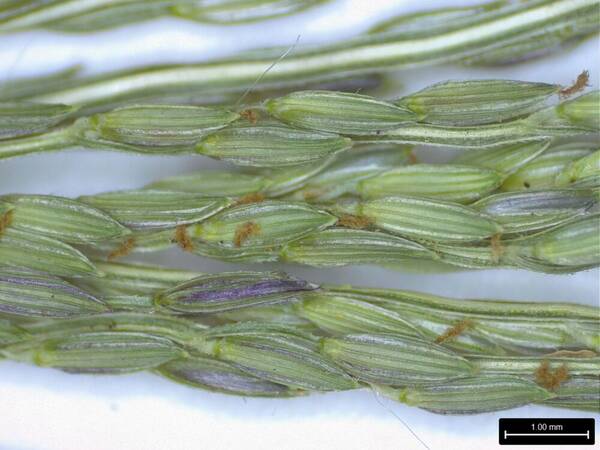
[(250, 115), (5, 221), (497, 247), (412, 158), (453, 332), (253, 197), (244, 231), (354, 222), (182, 238), (573, 354), (122, 250), (551, 379), (578, 85), (311, 195)]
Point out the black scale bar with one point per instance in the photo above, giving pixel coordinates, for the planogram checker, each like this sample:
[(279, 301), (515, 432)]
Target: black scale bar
[(546, 431)]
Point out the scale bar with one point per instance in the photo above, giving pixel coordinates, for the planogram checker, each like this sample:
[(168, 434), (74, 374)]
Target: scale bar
[(547, 430), (586, 434)]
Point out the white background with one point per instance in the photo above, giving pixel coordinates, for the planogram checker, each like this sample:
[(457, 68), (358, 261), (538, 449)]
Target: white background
[(46, 409)]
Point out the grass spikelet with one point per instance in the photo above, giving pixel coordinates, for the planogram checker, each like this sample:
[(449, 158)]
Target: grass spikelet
[(551, 379), (454, 331), (245, 231)]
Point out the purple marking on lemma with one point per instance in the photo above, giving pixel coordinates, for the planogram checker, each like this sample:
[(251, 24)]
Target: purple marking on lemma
[(258, 289), (228, 381), (48, 283)]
